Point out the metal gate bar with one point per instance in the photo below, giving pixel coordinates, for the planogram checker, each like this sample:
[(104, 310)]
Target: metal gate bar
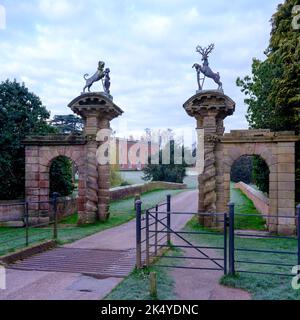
[(187, 241), (233, 249), (150, 225), (154, 245)]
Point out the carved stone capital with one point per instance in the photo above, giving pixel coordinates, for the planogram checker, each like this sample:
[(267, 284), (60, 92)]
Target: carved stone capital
[(97, 104), (210, 103)]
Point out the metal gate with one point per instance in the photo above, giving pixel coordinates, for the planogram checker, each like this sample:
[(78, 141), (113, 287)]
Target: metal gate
[(155, 234)]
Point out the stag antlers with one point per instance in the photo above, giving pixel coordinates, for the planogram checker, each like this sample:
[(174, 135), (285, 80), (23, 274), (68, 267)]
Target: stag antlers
[(205, 51)]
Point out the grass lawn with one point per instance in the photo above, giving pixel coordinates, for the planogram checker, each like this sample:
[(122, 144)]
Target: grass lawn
[(120, 212), (136, 285), (135, 177), (261, 287), (244, 205)]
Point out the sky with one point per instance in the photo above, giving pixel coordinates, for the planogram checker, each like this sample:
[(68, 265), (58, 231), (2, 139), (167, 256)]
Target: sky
[(149, 46)]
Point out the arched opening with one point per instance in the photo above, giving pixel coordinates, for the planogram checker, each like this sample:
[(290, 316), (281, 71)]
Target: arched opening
[(62, 176), (249, 190), (64, 180)]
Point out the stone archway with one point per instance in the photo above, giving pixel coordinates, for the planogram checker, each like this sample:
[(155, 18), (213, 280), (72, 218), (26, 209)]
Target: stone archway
[(97, 110), (210, 108), (38, 161), (278, 151)]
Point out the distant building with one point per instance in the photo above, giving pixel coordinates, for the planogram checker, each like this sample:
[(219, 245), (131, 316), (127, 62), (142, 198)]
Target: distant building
[(134, 154)]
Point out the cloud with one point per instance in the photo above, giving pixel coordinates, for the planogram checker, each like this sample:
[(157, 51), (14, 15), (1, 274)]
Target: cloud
[(148, 45), (58, 9), (155, 27)]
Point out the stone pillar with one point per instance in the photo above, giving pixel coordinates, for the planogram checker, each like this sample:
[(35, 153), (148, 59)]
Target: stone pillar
[(32, 177), (97, 110), (210, 108), (286, 187), (104, 176)]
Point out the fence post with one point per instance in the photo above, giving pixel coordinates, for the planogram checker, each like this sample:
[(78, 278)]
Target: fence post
[(225, 242), (138, 234), (147, 240), (137, 197), (298, 232), (54, 201), (27, 222), (156, 230), (169, 219), (231, 239), (153, 285)]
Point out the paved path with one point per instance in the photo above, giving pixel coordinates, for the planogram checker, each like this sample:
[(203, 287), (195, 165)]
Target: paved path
[(42, 285), (203, 284)]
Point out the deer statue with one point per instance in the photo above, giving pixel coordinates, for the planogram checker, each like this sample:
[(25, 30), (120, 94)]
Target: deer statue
[(205, 68)]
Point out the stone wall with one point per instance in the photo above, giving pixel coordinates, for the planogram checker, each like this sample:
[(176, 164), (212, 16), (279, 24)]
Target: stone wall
[(11, 211), (260, 201), (66, 206), (278, 151), (210, 108), (40, 152), (130, 191)]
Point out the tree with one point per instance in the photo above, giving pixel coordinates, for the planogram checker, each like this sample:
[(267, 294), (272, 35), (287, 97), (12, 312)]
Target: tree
[(61, 176), (68, 123), (21, 114), (241, 171), (263, 112), (167, 172), (273, 90), (116, 179), (260, 174)]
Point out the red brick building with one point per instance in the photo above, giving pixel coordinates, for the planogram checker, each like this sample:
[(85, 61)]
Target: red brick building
[(134, 154)]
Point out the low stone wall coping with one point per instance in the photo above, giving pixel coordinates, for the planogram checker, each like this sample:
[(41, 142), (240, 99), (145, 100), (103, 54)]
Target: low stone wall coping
[(257, 193), (119, 193), (260, 201), (266, 136), (55, 140)]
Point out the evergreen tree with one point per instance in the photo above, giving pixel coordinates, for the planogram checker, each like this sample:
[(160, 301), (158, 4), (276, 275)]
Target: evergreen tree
[(273, 90), (61, 176), (241, 171), (260, 174), (171, 172), (68, 123), (21, 114)]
